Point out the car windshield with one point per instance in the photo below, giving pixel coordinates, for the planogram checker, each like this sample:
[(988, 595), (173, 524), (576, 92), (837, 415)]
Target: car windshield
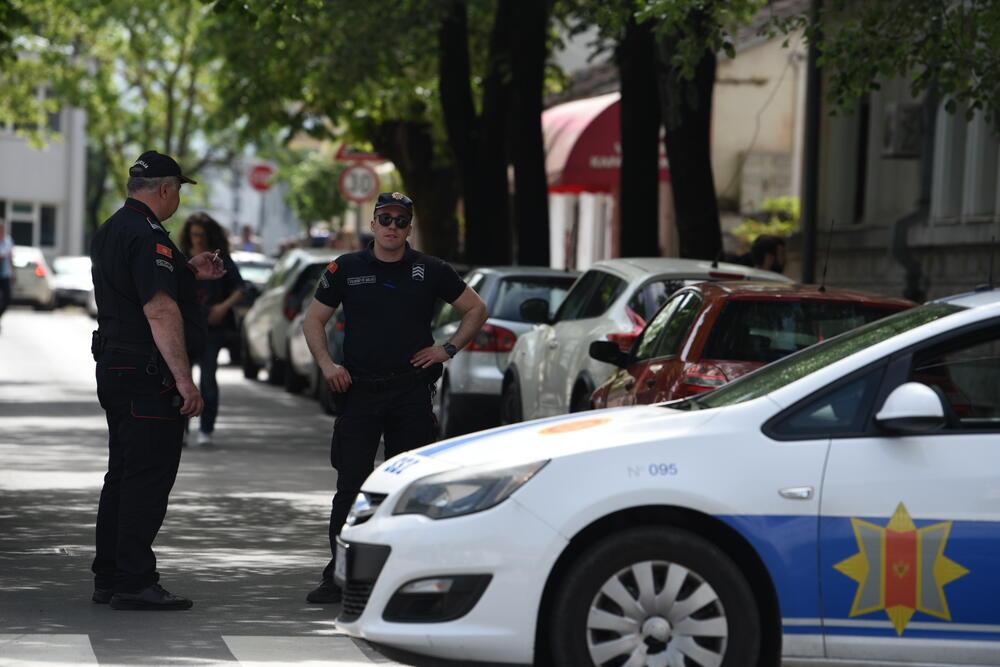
[(254, 273), (516, 290), (797, 366), (765, 331)]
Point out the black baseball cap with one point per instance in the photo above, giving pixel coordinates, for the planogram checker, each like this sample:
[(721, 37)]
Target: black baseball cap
[(394, 199), (157, 165)]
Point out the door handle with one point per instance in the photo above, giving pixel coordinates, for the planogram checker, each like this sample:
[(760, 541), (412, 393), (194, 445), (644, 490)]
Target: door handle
[(796, 493)]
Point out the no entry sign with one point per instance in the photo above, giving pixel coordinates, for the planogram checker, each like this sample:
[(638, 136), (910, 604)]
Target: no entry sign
[(260, 177), (359, 183)]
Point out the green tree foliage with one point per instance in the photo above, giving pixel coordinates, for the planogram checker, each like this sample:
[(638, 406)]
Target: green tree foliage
[(142, 69), (953, 46), (313, 191)]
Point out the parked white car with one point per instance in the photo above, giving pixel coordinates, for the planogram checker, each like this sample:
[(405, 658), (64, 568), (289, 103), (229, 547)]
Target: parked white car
[(550, 371), (265, 326), (469, 390), (32, 278), (838, 506), (74, 283)]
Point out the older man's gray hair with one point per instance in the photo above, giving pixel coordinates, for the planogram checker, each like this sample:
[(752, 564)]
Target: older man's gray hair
[(140, 184)]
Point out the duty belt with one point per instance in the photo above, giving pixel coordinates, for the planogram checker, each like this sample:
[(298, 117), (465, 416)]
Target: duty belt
[(396, 380)]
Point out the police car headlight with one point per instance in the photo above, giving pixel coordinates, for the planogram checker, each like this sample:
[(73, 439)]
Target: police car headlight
[(464, 491)]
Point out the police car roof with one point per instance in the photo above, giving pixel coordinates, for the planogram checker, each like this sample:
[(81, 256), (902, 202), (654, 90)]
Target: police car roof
[(973, 299)]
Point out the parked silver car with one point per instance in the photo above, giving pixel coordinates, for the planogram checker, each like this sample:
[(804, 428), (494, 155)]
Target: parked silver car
[(74, 283), (265, 326), (32, 279), (469, 394), (303, 374)]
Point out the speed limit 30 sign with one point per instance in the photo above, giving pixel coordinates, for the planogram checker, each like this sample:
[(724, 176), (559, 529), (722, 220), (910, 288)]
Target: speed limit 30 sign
[(359, 183)]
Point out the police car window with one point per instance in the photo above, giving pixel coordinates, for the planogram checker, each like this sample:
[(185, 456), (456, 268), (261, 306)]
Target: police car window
[(966, 372), (677, 327), (515, 290), (797, 366), (843, 410), (578, 296), (607, 291)]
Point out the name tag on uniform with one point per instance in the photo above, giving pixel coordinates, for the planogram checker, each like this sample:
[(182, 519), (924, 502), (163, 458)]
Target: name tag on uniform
[(361, 280)]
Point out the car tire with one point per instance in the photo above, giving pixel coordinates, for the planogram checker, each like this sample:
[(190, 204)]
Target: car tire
[(294, 383), (250, 369), (450, 420), (510, 401), (276, 368), (581, 400), (614, 590)]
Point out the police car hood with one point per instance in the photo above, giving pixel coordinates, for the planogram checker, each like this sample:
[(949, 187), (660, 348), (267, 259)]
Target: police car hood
[(538, 440)]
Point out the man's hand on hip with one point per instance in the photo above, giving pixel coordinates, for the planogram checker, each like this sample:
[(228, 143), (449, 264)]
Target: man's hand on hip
[(193, 403), (337, 377), (429, 356)]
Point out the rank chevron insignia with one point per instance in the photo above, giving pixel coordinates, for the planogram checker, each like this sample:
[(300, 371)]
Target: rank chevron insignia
[(418, 271), (901, 569)]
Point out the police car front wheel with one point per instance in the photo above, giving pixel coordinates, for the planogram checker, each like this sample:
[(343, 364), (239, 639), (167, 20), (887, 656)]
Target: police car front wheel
[(655, 596)]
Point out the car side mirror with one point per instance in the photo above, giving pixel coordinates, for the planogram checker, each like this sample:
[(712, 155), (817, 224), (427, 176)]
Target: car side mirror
[(535, 311), (608, 352), (911, 409)]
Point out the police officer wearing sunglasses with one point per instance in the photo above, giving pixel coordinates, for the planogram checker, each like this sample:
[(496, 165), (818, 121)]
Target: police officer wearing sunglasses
[(388, 292)]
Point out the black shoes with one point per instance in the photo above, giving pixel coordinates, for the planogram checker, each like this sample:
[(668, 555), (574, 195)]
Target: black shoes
[(326, 593), (102, 595), (153, 598)]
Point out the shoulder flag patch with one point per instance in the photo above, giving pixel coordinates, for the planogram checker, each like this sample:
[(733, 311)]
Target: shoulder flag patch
[(332, 267), (164, 250)]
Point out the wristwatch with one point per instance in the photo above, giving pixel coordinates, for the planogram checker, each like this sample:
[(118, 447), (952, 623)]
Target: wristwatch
[(450, 349)]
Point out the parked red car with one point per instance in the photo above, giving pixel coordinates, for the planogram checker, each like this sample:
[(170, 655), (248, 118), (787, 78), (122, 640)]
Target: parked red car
[(708, 334)]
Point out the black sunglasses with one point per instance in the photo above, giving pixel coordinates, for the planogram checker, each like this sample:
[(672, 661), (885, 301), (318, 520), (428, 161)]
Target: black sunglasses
[(384, 219)]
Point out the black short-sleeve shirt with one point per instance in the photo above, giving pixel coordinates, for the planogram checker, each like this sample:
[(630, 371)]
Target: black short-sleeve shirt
[(133, 258), (387, 306)]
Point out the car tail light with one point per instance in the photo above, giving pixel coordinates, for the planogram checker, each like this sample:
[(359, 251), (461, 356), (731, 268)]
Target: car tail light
[(290, 310), (492, 338), (624, 341), (699, 378), (40, 271)]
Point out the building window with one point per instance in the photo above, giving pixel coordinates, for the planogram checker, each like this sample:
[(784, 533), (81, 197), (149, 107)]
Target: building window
[(48, 226), (23, 232)]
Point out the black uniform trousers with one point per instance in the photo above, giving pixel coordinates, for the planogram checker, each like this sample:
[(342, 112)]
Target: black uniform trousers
[(145, 431), (402, 415)]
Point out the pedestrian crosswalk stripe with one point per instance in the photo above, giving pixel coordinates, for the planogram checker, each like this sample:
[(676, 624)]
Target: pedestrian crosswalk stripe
[(301, 651), (39, 650)]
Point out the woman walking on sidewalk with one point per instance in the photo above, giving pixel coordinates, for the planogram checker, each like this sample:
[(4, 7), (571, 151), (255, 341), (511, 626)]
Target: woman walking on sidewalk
[(202, 233)]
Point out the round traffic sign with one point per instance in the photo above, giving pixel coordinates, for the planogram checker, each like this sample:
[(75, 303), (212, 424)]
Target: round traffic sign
[(260, 177), (359, 183)]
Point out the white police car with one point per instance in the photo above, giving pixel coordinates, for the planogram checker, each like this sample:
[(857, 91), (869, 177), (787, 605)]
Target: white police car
[(840, 505)]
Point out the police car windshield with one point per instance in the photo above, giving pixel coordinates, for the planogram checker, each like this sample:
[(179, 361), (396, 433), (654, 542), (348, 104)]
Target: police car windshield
[(802, 363)]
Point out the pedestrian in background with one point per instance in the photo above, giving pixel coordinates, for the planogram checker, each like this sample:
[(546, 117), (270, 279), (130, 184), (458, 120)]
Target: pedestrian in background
[(247, 241), (6, 267), (388, 291), (201, 233), (149, 326), (768, 253)]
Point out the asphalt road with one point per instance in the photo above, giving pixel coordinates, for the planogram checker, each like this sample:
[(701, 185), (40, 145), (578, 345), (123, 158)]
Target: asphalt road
[(245, 534)]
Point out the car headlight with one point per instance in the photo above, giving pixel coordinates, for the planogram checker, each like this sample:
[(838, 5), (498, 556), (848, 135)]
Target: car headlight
[(464, 491)]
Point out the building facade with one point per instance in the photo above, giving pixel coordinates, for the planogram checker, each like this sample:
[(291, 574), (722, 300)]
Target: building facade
[(42, 189)]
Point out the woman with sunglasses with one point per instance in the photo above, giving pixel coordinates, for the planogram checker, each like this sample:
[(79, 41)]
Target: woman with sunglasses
[(388, 292), (202, 233)]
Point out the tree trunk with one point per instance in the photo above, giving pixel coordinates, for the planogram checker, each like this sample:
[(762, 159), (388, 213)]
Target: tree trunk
[(432, 187), (640, 133), (527, 48), (477, 142), (687, 110)]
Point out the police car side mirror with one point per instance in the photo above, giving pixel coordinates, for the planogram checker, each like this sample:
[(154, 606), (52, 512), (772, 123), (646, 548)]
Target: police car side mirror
[(911, 409), (608, 352), (535, 311)]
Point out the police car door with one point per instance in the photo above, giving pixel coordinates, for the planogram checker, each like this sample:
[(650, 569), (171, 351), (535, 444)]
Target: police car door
[(910, 522)]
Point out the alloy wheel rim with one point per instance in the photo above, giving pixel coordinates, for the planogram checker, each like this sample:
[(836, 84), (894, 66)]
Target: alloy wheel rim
[(657, 614)]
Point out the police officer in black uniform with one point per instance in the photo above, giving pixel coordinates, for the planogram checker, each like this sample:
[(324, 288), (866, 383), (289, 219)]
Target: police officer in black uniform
[(149, 327), (388, 292)]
